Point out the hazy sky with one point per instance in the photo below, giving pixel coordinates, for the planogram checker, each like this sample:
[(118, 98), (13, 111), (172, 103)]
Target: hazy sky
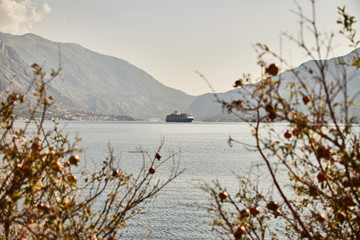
[(171, 39)]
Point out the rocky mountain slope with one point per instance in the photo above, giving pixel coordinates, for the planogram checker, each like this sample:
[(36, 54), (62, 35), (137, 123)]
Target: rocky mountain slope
[(336, 69), (12, 67), (93, 83), (97, 83)]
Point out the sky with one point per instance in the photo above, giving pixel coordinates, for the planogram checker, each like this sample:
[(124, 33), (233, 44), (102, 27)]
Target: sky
[(172, 39)]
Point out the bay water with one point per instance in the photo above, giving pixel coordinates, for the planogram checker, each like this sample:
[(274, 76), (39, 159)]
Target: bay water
[(204, 153)]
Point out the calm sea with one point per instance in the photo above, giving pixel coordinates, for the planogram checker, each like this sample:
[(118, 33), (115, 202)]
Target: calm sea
[(204, 154)]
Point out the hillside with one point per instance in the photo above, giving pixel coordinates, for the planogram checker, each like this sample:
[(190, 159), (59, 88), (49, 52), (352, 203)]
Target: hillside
[(93, 83), (97, 83)]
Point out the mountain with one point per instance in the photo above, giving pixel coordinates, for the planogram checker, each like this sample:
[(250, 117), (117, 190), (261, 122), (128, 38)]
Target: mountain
[(205, 105), (338, 70), (93, 82), (207, 108), (12, 66)]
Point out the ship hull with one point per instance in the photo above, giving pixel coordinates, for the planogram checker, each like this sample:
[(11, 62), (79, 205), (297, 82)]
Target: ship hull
[(179, 120), (179, 117)]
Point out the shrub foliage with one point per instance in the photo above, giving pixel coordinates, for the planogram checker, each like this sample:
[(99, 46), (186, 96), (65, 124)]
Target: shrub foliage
[(307, 135), (47, 192)]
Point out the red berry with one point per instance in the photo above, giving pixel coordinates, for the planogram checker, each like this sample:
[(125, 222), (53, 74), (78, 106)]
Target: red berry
[(272, 115), (273, 205), (158, 156), (254, 211), (115, 173), (74, 159), (223, 195), (313, 191), (287, 134), (323, 152), (321, 176), (321, 218), (269, 108), (245, 212), (277, 213), (152, 170), (67, 164), (239, 231), (272, 69), (72, 178), (306, 99), (349, 202), (341, 216), (296, 132)]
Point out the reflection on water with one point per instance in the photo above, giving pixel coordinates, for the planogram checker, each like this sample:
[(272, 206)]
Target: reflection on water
[(204, 154)]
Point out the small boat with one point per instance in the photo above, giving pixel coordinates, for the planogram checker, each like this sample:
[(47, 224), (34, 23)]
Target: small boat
[(179, 117)]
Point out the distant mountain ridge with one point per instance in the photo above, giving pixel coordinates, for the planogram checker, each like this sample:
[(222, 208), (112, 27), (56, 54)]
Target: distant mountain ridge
[(12, 66), (100, 84), (335, 69)]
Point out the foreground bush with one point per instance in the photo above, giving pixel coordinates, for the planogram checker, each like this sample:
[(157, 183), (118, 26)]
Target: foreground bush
[(46, 192), (306, 132)]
